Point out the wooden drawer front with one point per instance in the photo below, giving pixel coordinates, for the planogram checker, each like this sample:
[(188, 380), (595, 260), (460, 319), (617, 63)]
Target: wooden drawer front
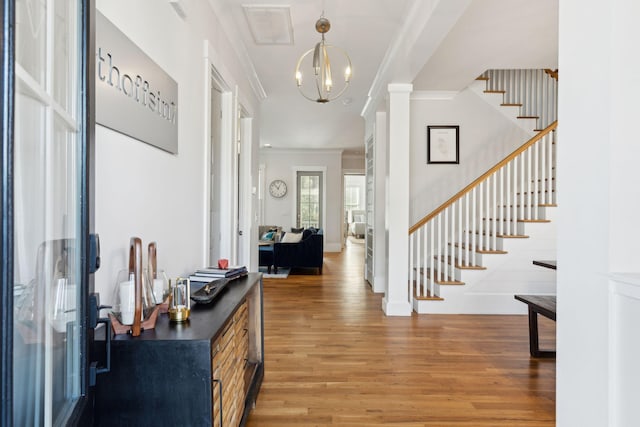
[(241, 311), (227, 335), (216, 421), (229, 353)]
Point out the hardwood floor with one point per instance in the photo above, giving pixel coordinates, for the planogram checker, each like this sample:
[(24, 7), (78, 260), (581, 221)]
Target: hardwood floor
[(333, 358)]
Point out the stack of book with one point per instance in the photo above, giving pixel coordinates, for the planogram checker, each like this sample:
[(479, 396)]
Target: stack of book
[(206, 275)]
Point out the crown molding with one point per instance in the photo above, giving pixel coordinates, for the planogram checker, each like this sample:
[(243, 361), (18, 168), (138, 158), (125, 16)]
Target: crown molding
[(235, 40), (426, 24)]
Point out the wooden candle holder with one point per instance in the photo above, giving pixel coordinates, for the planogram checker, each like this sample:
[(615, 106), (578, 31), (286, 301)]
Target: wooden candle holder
[(135, 267)]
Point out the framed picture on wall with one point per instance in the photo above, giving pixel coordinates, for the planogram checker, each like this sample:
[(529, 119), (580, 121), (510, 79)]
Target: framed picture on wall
[(443, 144)]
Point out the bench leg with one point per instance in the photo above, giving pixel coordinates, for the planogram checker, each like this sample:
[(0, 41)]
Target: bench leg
[(534, 345)]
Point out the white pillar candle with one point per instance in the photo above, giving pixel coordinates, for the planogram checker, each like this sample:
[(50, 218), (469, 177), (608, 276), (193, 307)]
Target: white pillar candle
[(127, 302)]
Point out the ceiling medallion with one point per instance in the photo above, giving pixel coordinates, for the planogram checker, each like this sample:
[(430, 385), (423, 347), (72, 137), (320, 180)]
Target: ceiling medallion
[(321, 87)]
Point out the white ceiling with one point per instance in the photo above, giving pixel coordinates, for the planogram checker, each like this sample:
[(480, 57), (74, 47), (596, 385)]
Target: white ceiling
[(488, 34)]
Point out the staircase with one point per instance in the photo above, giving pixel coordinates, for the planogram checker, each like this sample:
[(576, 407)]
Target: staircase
[(474, 252)]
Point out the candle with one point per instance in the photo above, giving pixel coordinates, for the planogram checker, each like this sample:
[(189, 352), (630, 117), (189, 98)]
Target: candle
[(127, 302)]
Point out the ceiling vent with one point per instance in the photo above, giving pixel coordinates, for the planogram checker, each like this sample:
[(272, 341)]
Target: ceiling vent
[(269, 25)]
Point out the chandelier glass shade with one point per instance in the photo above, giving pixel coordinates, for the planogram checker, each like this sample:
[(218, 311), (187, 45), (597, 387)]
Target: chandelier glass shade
[(321, 87)]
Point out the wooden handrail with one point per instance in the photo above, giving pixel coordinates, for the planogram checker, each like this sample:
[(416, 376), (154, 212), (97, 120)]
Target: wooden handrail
[(484, 176)]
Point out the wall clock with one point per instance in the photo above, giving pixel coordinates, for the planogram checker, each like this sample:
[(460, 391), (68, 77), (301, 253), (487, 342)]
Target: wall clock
[(278, 188)]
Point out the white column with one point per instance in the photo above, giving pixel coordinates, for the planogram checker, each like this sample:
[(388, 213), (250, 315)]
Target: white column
[(396, 299)]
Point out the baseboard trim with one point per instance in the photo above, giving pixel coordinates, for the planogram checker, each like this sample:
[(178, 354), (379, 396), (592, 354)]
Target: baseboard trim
[(379, 284), (333, 247), (396, 308)]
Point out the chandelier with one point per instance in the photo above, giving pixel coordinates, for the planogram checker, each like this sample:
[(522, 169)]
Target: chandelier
[(321, 87)]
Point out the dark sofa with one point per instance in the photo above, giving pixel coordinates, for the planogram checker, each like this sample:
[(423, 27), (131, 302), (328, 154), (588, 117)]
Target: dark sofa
[(307, 253)]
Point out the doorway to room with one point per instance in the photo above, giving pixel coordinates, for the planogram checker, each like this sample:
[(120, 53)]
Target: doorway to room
[(214, 174), (354, 223)]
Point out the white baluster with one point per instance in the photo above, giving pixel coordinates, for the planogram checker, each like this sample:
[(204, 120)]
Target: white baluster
[(530, 191), (473, 220), (543, 170), (507, 193), (432, 274), (439, 247), (411, 276), (467, 232), (536, 183), (492, 210), (418, 275), (445, 242), (481, 224), (425, 260), (460, 232)]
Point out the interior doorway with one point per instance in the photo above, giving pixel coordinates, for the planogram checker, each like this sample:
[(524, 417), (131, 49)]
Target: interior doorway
[(215, 167), (355, 214)]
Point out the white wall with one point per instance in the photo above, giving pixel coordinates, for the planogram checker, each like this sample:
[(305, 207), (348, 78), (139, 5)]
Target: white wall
[(353, 163), (281, 164), (486, 137), (599, 197), (140, 190)]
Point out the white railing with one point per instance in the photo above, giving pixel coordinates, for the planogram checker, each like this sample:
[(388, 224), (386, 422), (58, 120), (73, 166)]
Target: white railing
[(535, 90), (480, 215)]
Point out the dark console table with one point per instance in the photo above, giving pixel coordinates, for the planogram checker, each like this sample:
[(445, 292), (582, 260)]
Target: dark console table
[(552, 264), (539, 304), (206, 371)]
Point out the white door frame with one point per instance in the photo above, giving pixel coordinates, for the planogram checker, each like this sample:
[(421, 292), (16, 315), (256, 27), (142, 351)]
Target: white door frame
[(226, 185), (245, 192)]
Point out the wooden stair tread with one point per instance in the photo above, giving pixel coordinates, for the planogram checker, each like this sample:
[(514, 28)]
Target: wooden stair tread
[(518, 220), (460, 266), (495, 91), (427, 297), (528, 117), (533, 192), (540, 205), (479, 250), (447, 281), (511, 105), (482, 78), (505, 236)]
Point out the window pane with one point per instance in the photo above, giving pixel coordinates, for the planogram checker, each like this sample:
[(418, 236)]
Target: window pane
[(309, 199), (64, 58), (31, 20), (46, 363)]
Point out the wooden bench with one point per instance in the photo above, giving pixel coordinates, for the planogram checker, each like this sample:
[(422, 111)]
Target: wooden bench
[(538, 304)]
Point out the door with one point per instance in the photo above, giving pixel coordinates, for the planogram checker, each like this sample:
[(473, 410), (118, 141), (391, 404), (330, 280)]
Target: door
[(245, 200), (309, 199), (47, 143)]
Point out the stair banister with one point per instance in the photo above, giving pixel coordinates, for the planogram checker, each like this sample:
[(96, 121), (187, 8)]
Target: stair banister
[(471, 222), (484, 176)]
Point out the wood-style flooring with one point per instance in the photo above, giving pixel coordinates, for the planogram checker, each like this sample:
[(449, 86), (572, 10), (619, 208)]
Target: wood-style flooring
[(332, 358)]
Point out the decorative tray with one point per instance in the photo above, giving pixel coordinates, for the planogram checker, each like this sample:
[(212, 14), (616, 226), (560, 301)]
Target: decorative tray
[(208, 292)]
